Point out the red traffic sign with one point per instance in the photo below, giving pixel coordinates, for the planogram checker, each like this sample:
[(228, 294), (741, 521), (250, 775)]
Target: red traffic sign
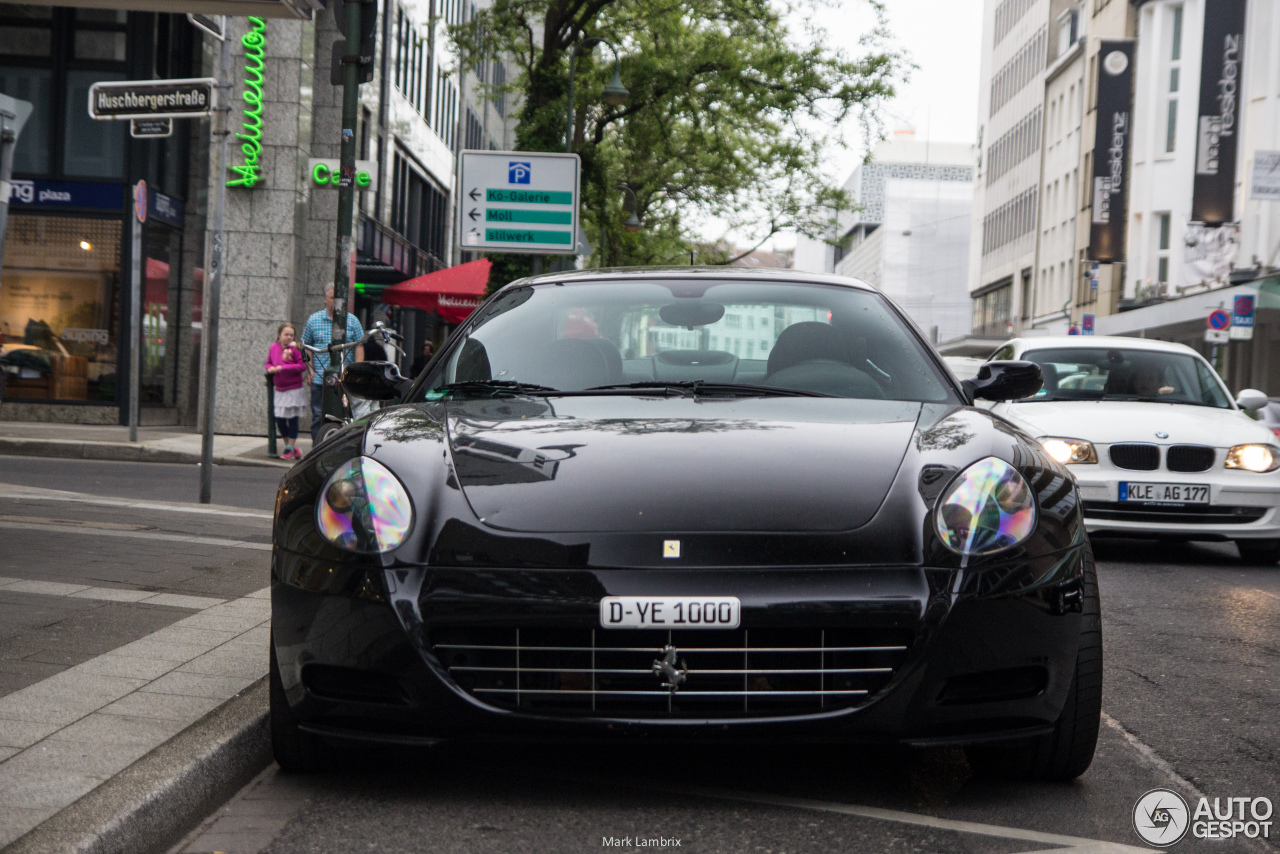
[(1074, 330), (140, 201), (1219, 319)]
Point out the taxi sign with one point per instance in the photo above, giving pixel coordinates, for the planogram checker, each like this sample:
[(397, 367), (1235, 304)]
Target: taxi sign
[(519, 201), (1242, 313)]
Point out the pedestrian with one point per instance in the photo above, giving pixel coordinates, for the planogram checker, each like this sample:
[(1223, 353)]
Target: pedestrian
[(286, 365), (319, 333), (420, 360)]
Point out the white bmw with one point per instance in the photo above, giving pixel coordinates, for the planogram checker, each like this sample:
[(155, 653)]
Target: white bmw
[(1156, 443)]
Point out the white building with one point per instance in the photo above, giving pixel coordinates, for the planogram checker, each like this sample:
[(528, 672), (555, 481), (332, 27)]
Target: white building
[(1015, 41), (910, 233)]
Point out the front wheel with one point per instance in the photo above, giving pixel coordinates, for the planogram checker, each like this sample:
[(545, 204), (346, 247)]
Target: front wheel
[(326, 430), (1066, 752), (1259, 552)]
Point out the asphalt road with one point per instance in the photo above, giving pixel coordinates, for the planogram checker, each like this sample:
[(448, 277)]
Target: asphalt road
[(1192, 687), (237, 486)]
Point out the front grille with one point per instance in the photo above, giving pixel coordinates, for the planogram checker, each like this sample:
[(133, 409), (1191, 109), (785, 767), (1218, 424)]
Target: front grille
[(737, 673), (1188, 458), (1135, 457), (1192, 513)]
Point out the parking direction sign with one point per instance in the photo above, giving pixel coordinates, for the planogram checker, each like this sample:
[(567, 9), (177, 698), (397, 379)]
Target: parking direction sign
[(519, 201)]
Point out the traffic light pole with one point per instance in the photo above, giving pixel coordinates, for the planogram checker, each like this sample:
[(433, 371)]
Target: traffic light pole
[(351, 73)]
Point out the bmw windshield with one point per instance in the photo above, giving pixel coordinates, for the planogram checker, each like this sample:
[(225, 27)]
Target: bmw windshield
[(680, 336), (1102, 373)]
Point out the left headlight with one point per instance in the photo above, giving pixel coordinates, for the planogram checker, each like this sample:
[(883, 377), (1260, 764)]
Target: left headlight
[(364, 508), (1259, 458), (988, 508)]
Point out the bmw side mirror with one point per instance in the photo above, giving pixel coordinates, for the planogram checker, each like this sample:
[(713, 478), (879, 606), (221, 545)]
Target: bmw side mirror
[(1250, 399), (1004, 381), (374, 381)]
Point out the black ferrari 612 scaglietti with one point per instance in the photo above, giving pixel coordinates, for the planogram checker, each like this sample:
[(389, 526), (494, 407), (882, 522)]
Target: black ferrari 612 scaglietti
[(687, 503)]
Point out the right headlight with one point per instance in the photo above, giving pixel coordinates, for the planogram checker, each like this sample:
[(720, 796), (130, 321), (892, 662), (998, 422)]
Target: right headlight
[(988, 508), (1069, 451), (364, 508), (1259, 458)]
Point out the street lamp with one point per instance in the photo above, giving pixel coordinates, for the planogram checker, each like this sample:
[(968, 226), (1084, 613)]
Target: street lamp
[(615, 94), (633, 223)]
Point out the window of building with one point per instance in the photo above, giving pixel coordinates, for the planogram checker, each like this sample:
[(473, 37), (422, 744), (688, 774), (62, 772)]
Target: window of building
[(1173, 72), (412, 74), (499, 83), (59, 307), (418, 208), (1066, 31), (991, 309), (1163, 224)]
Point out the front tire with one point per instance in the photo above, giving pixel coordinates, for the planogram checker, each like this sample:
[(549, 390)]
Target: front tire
[(295, 751), (1067, 751), (326, 430), (1259, 552)]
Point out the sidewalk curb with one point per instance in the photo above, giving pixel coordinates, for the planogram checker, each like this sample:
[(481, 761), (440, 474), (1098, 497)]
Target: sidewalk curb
[(148, 806), (120, 452)]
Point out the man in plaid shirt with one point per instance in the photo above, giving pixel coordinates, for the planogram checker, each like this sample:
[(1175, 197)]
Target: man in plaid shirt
[(319, 333)]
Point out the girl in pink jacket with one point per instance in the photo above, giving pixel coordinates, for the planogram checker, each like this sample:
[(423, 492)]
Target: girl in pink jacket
[(286, 366)]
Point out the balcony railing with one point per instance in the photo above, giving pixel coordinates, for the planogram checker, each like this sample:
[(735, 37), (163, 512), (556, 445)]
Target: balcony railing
[(375, 240)]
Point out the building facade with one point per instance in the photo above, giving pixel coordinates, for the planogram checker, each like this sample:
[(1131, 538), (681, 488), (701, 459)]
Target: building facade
[(909, 232), (64, 290)]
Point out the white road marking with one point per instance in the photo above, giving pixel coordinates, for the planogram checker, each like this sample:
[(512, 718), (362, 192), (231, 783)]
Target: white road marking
[(1073, 844), (140, 535), (107, 594), (32, 493), (1151, 758)]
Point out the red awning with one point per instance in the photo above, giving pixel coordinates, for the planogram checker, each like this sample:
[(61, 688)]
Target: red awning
[(453, 292)]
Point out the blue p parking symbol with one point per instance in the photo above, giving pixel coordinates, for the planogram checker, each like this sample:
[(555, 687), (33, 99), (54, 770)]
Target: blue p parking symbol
[(518, 173)]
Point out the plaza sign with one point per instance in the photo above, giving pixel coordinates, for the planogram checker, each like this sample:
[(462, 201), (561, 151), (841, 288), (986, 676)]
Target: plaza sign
[(518, 201), (187, 98)]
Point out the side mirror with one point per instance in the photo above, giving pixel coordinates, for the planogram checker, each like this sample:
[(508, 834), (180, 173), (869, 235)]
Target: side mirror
[(1250, 399), (374, 381), (1004, 381)]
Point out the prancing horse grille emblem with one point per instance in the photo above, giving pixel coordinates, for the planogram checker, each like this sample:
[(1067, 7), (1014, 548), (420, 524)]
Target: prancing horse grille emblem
[(672, 676)]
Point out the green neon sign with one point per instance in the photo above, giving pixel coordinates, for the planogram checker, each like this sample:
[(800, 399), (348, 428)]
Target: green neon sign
[(254, 43), (323, 176)]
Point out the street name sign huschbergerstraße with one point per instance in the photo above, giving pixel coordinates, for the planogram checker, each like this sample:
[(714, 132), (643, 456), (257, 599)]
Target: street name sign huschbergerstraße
[(153, 99), (519, 201)]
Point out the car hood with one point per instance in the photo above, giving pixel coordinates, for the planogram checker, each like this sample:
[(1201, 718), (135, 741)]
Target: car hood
[(1107, 422), (658, 464)]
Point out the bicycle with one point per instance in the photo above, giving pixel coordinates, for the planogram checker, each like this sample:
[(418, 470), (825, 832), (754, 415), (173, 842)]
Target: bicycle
[(335, 409)]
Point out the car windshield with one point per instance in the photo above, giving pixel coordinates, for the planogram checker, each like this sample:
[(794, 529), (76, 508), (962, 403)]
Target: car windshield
[(691, 337), (1102, 373)]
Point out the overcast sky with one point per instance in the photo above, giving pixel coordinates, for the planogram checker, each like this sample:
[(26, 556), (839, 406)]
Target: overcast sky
[(941, 98)]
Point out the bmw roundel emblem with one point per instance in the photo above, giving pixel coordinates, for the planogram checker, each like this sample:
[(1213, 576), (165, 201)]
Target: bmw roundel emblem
[(1160, 434)]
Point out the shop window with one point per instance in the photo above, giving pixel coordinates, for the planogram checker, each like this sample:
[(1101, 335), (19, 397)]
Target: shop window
[(94, 149), (59, 300), (31, 155), (98, 44), (162, 287)]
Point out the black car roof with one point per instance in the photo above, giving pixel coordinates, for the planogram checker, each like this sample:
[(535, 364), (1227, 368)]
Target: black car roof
[(744, 274)]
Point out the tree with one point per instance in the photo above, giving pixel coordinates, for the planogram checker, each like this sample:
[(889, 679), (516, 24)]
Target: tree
[(728, 116)]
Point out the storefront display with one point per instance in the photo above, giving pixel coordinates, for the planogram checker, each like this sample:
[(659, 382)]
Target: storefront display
[(59, 308)]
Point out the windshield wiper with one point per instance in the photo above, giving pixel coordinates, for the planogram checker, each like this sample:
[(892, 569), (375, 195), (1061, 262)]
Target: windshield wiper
[(508, 386), (697, 387)]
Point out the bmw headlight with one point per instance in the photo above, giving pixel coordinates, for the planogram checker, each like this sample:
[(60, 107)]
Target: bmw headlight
[(364, 508), (1259, 458), (988, 508), (1069, 451)]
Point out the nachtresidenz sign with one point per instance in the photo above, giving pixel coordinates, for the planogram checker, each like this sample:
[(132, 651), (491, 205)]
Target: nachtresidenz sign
[(1111, 145), (153, 99)]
